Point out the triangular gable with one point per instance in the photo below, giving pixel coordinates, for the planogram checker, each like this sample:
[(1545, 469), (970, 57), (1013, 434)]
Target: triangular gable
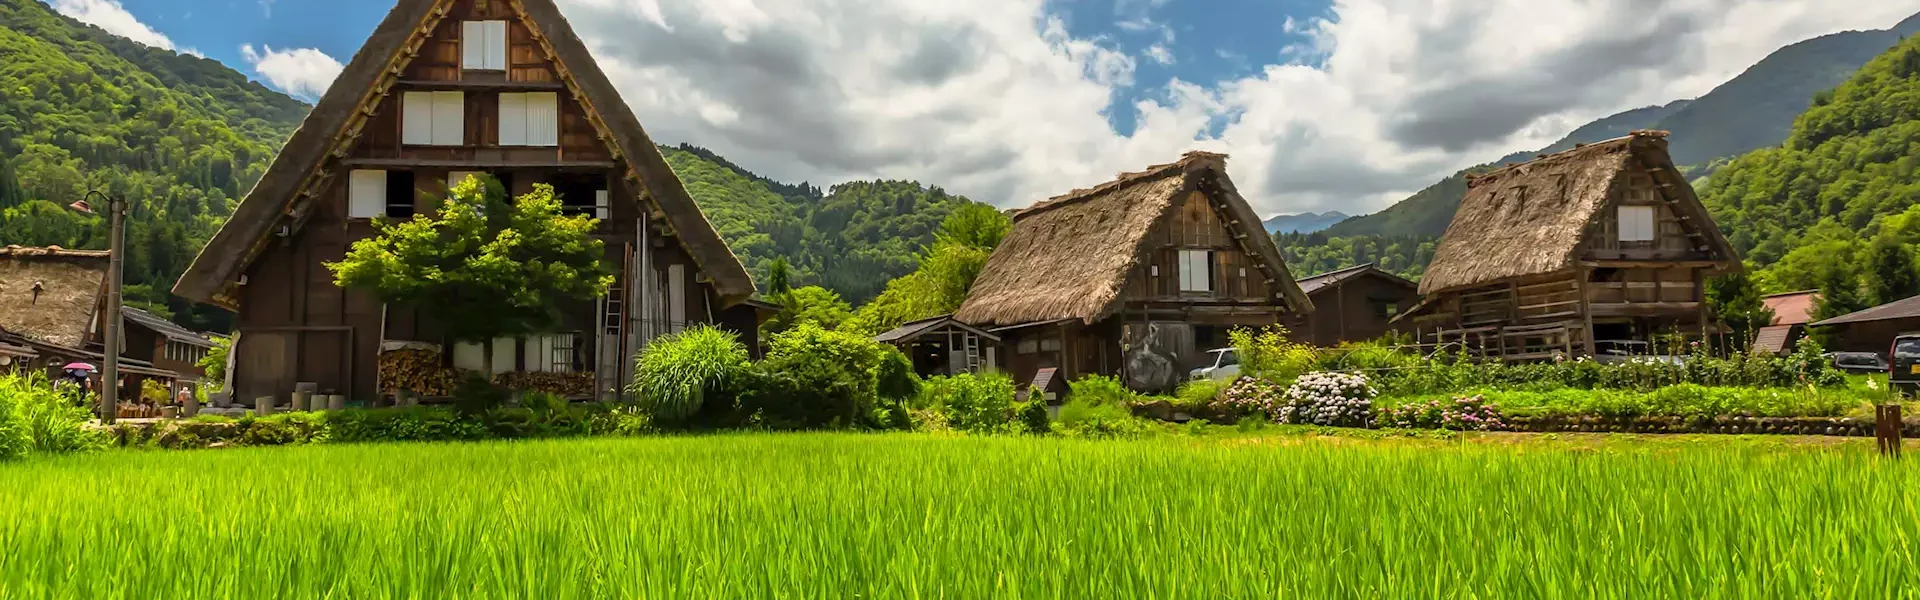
[(284, 196)]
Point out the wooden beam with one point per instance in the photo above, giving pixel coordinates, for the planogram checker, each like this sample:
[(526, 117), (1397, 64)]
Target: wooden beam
[(478, 164), (1629, 264)]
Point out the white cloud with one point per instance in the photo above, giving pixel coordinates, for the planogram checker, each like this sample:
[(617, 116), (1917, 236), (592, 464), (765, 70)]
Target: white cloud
[(303, 72), (114, 18), (994, 99), (1160, 54)]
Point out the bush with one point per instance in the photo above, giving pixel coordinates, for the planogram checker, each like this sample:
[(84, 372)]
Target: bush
[(50, 421), (676, 374), (14, 441), (1463, 413), (1198, 394), (981, 403), (1096, 390), (477, 395), (1330, 399), (1266, 353), (1033, 414), (1080, 417), (1254, 396), (814, 378)]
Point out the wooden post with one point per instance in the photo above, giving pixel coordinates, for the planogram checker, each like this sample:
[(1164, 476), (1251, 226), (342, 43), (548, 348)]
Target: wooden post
[(1340, 296), (1887, 426), (263, 406), (336, 402), (193, 405), (1586, 309)]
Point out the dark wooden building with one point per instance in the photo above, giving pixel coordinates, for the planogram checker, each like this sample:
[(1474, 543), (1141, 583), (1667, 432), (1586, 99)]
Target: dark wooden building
[(1135, 278), (1873, 329), (1603, 246), (443, 90), (165, 344), (942, 346), (1354, 304), (51, 302), (1792, 312)]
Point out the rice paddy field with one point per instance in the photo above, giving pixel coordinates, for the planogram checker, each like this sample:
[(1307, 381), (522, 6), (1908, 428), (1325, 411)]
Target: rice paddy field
[(916, 516)]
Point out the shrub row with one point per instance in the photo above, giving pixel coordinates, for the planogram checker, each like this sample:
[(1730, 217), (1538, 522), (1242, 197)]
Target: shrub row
[(409, 424)]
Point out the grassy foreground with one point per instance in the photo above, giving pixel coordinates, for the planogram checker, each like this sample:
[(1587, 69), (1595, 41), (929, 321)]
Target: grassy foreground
[(845, 516)]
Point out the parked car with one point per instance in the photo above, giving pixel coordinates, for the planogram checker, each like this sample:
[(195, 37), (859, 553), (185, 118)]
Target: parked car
[(1222, 365), (1620, 351), (1858, 362), (1905, 360)]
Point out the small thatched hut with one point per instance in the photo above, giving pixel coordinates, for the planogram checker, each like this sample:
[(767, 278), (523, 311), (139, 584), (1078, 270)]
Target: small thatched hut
[(1601, 247), (1137, 277)]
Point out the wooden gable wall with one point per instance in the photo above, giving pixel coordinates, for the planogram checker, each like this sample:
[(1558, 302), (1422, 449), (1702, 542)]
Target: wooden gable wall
[(1195, 223), (1635, 186)]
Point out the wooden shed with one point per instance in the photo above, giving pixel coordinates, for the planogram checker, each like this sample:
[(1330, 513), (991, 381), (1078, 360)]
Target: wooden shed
[(943, 346), (1600, 247), (1135, 278), (444, 89), (1354, 304), (1792, 312), (1873, 329)]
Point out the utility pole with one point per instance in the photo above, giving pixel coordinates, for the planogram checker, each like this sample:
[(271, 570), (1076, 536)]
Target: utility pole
[(116, 262)]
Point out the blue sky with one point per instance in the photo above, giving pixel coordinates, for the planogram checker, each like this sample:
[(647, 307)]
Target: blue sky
[(1322, 104)]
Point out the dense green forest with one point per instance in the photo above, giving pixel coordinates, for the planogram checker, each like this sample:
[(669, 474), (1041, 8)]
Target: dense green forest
[(179, 136), (1834, 208), (1310, 254)]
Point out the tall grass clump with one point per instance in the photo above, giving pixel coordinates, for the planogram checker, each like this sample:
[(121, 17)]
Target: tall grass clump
[(676, 373), (34, 417), (982, 402)]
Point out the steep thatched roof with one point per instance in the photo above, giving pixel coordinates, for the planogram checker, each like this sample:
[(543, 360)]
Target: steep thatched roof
[(49, 295), (1069, 257), (1515, 222), (282, 194)]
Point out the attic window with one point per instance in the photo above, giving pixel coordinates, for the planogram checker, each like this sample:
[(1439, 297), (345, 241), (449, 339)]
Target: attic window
[(1196, 271), (483, 45), (1636, 223)]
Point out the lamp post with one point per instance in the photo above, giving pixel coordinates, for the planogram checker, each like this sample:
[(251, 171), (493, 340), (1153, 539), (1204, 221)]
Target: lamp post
[(116, 255)]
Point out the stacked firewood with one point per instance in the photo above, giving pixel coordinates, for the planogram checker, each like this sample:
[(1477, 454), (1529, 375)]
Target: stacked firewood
[(418, 370), (572, 385)]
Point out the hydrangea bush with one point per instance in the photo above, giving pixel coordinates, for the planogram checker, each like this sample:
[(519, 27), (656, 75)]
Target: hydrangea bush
[(1462, 413), (1331, 399), (1251, 395)]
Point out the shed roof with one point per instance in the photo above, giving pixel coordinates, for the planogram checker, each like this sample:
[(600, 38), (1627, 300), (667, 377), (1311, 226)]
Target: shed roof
[(1792, 308), (281, 195), (1069, 257), (1899, 309), (164, 327), (1531, 218), (913, 330), (49, 295), (1313, 284)]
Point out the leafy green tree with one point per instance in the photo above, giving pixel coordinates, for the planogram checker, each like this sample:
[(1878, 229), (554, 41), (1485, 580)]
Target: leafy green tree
[(1736, 302), (1892, 274), (779, 277), (946, 274), (975, 226), (484, 267), (215, 362), (811, 304)]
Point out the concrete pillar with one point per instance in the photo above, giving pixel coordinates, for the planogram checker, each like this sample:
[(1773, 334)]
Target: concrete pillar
[(336, 402), (263, 406), (193, 406)]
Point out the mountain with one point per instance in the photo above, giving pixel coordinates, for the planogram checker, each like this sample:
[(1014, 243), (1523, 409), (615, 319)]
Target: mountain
[(1849, 173), (1753, 110), (1304, 222), (179, 136)]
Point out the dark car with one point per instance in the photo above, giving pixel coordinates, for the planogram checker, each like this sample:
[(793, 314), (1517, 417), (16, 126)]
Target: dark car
[(1905, 357), (1858, 362)]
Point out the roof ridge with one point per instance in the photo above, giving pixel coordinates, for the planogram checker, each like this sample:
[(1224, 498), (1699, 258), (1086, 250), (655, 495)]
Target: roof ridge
[(1578, 148), (1187, 162)]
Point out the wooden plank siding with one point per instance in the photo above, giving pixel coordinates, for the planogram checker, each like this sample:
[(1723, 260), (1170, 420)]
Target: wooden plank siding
[(1196, 224)]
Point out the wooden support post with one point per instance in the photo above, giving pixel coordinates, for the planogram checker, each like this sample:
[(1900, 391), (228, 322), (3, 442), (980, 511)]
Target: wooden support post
[(1887, 426), (263, 406), (1586, 309), (336, 402)]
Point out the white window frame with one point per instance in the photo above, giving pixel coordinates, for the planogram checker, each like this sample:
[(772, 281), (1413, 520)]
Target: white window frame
[(483, 45), (1196, 271), (366, 194), (602, 205), (530, 119), (1638, 223)]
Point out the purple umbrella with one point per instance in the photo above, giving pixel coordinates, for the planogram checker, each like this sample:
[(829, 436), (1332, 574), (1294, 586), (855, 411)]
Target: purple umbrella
[(79, 366)]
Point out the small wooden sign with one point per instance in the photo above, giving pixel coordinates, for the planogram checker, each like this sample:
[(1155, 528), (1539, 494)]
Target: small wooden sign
[(1042, 381)]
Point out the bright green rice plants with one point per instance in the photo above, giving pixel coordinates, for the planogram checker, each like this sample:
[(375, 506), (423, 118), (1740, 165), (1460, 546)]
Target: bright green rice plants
[(677, 373), (1461, 413), (981, 403), (1081, 417), (14, 441), (1329, 399)]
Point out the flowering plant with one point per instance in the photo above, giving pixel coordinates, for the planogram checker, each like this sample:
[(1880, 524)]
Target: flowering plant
[(1251, 395), (1334, 399), (1462, 413)]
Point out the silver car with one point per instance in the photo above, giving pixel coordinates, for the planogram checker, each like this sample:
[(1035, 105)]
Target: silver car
[(1222, 365)]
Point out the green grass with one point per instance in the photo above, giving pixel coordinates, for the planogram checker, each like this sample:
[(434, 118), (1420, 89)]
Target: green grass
[(846, 516)]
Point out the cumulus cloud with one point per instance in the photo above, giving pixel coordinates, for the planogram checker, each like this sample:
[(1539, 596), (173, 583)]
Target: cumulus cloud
[(996, 100), (1160, 54), (302, 72), (111, 16)]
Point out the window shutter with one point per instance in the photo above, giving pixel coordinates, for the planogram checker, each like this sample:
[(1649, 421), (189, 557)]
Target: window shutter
[(366, 194), (602, 205), (449, 118), (473, 45), (513, 119), (469, 356), (543, 119), (417, 118), (496, 34), (1636, 224), (503, 355)]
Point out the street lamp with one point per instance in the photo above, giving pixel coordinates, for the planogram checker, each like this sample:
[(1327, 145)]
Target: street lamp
[(116, 253)]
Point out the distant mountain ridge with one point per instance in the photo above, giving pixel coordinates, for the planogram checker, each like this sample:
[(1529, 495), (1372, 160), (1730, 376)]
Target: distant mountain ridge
[(1304, 222), (1754, 110)]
